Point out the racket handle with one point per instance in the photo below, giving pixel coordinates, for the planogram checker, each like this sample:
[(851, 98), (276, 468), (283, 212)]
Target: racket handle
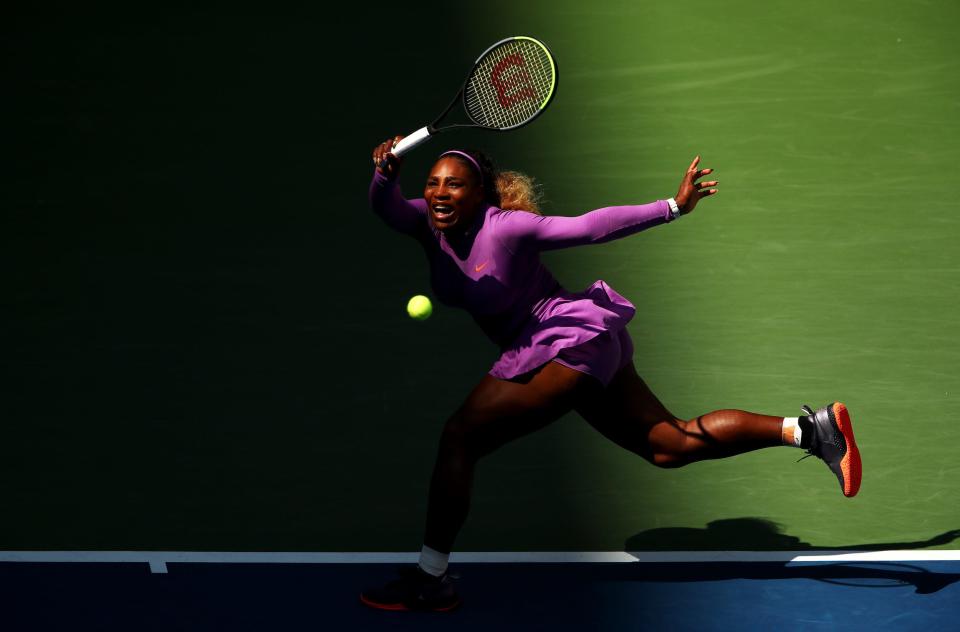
[(409, 142)]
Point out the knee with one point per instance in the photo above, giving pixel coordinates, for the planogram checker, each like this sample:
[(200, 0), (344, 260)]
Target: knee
[(460, 435), (669, 445), (454, 432)]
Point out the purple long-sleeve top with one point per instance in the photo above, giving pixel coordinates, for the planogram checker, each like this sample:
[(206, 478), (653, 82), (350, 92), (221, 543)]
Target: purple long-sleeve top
[(493, 270)]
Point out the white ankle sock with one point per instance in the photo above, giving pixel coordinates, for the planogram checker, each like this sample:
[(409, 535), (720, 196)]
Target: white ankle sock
[(433, 562), (791, 423)]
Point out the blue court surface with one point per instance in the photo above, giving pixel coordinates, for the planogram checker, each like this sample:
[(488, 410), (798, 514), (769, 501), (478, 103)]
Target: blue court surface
[(890, 590)]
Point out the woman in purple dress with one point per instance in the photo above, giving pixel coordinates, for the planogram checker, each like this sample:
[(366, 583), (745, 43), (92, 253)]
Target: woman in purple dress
[(482, 232)]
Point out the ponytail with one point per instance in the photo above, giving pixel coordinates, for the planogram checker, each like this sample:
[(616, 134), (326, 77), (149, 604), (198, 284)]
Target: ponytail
[(519, 192)]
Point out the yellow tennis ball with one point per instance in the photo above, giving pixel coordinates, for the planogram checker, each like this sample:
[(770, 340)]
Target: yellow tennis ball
[(419, 307)]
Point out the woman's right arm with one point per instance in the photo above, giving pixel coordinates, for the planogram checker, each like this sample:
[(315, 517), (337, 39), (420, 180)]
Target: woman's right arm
[(386, 199)]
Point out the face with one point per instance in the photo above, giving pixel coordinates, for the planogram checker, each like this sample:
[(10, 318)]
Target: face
[(453, 194)]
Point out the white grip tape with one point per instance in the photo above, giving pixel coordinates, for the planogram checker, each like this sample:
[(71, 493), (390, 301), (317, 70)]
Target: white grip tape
[(411, 141)]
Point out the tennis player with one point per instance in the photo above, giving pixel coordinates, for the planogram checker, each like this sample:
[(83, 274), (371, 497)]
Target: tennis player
[(482, 232)]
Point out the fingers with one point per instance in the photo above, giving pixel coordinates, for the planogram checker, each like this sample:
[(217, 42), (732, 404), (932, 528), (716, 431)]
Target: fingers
[(703, 188), (391, 143), (379, 150), (694, 174), (383, 151)]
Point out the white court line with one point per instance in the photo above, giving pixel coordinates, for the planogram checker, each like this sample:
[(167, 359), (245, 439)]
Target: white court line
[(158, 560)]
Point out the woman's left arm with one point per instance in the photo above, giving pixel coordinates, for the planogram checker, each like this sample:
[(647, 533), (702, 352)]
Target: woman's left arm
[(518, 229), (521, 229)]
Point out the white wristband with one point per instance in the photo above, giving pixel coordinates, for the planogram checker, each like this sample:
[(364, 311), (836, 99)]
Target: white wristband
[(674, 209)]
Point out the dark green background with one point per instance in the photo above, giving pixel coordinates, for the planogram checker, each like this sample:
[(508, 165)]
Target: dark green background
[(205, 338)]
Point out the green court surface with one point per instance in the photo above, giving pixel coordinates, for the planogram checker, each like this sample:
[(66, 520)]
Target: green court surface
[(206, 340)]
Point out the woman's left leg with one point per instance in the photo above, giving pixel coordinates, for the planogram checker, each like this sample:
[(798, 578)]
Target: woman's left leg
[(630, 415)]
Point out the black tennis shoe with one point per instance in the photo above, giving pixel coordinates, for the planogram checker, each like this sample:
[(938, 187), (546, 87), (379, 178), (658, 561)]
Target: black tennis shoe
[(833, 442), (415, 590)]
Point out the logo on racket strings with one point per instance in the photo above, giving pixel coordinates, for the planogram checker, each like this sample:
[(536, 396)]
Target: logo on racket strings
[(512, 81)]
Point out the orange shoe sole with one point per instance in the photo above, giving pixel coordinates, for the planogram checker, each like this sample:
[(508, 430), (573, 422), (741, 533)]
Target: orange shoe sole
[(850, 464), (400, 606)]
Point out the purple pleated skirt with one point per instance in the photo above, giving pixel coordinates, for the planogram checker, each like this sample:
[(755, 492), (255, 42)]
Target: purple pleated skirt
[(585, 331)]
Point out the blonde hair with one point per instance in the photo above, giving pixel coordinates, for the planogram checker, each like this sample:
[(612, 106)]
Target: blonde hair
[(519, 192)]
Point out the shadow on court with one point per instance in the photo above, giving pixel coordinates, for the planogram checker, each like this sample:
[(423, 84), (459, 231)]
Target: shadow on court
[(859, 574), (759, 534), (755, 534)]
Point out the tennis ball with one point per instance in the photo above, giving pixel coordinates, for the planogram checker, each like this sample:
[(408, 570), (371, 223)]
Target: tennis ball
[(419, 307)]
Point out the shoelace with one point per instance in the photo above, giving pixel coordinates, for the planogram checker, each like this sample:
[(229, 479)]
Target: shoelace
[(806, 409)]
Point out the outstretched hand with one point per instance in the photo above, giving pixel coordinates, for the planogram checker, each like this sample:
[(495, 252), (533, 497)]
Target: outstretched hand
[(690, 190)]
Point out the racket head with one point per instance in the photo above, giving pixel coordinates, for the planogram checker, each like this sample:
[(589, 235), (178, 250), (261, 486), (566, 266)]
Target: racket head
[(511, 83)]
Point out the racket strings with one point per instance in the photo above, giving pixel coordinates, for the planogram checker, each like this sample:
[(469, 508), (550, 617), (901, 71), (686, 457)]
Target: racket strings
[(510, 85)]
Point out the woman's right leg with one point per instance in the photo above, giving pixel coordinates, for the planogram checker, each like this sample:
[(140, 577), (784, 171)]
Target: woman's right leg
[(496, 412)]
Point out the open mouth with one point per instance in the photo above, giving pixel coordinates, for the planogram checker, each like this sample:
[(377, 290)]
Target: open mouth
[(442, 211)]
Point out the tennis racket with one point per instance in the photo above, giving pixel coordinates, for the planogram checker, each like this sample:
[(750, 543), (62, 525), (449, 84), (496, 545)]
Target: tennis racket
[(510, 84)]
